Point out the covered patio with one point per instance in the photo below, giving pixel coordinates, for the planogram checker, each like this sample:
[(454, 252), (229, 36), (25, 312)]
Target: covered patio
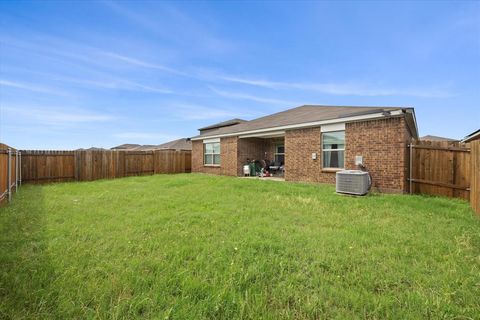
[(266, 151)]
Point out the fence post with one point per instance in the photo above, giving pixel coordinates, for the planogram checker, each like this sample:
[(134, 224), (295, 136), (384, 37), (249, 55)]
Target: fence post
[(411, 167), (155, 161), (475, 176), (16, 172), (20, 167), (75, 165), (9, 175)]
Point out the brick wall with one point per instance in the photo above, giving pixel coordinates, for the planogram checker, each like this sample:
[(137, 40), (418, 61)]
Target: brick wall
[(234, 154), (382, 143), (228, 157), (270, 147), (257, 149), (299, 166), (251, 148)]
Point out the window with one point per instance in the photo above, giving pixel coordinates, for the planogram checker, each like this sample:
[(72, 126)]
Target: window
[(280, 154), (333, 147), (211, 153)]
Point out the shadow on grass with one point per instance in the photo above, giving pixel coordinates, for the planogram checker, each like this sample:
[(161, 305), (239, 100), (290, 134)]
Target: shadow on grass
[(26, 272)]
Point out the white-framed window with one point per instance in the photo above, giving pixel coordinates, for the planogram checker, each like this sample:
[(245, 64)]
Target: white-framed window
[(333, 149), (211, 153), (279, 154)]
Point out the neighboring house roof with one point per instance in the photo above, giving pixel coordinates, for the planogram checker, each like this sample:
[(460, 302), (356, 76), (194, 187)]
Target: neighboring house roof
[(436, 138), (126, 146), (304, 116), (180, 144), (472, 136), (227, 123), (92, 149), (146, 147)]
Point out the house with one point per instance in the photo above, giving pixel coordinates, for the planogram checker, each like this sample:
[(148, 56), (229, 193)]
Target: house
[(146, 147), (472, 136), (179, 144), (437, 138), (313, 142), (126, 146)]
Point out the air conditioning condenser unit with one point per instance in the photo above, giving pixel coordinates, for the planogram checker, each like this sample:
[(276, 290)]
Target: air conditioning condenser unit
[(355, 182)]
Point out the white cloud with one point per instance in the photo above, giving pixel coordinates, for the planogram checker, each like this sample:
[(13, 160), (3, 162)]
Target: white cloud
[(341, 89), (253, 82), (187, 111), (244, 96), (99, 82), (141, 63), (115, 84), (55, 116), (32, 87), (48, 46), (176, 26)]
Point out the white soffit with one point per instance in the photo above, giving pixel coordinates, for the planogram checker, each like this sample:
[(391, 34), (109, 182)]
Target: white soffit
[(274, 134), (332, 127), (211, 140)]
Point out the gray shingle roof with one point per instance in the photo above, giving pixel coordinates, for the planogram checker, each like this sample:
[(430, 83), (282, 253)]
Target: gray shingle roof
[(436, 138), (299, 115), (227, 123), (180, 144), (126, 146)]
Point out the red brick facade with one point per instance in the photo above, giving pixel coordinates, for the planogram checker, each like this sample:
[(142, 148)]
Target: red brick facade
[(255, 149), (299, 165), (252, 148), (382, 143), (228, 158)]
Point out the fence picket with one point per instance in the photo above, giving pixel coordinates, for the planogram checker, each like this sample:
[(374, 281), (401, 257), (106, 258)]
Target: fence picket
[(43, 166), (475, 174), (441, 168)]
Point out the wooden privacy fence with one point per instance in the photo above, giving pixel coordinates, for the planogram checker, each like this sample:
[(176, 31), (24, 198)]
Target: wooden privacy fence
[(475, 180), (10, 177), (448, 169), (39, 166)]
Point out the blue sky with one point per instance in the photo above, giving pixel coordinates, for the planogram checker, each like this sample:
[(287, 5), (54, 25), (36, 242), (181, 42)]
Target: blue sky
[(82, 74)]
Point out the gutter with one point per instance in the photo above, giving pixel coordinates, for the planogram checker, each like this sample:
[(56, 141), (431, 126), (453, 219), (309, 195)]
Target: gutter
[(412, 112), (378, 115), (471, 137)]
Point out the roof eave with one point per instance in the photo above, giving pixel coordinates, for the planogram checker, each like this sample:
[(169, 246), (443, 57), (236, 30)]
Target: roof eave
[(226, 123), (411, 111), (470, 137)]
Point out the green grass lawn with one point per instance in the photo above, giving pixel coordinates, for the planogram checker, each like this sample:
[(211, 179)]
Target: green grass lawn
[(203, 247)]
